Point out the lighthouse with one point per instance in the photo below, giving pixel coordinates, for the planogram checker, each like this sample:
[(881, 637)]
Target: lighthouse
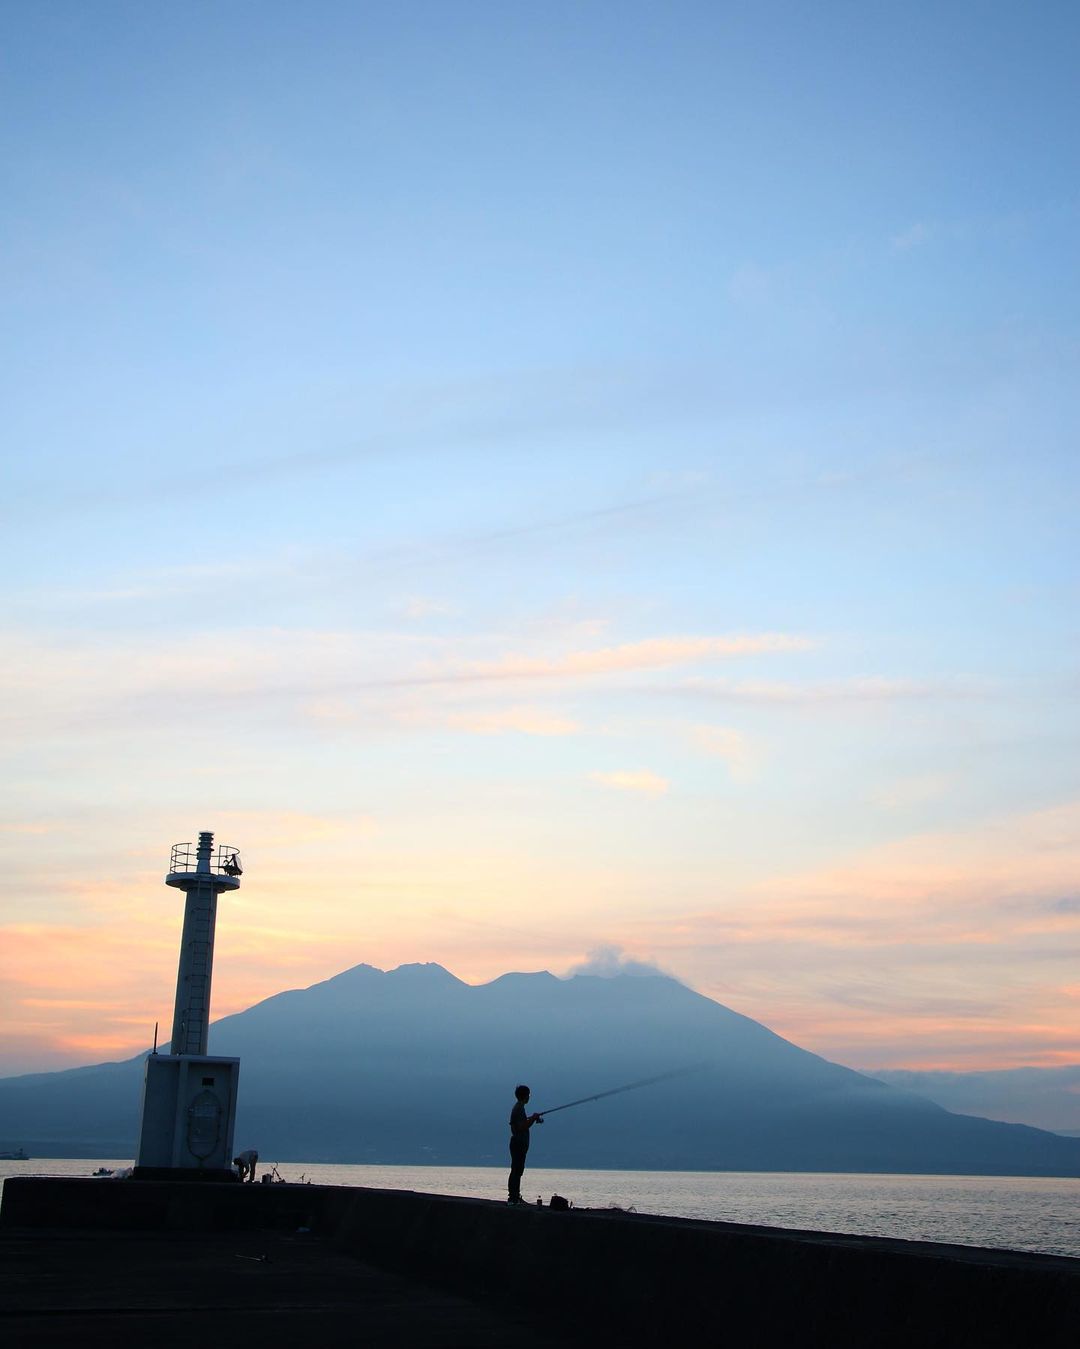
[(189, 1097)]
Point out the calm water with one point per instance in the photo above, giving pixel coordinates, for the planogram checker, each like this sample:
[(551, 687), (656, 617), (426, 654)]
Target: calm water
[(1007, 1211)]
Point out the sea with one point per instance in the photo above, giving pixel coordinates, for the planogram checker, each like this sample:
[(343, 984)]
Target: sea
[(1017, 1213)]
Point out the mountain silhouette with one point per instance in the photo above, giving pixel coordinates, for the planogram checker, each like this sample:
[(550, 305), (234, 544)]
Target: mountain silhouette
[(415, 1066)]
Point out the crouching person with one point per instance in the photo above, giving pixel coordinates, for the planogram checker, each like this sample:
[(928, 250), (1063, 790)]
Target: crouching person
[(246, 1164)]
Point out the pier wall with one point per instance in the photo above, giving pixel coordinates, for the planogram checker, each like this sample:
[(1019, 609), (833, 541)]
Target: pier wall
[(633, 1277)]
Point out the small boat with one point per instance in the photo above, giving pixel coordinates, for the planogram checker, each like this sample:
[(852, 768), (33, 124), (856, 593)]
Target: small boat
[(17, 1156)]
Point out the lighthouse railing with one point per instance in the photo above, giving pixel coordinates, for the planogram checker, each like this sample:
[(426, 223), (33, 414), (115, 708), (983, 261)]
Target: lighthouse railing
[(184, 857)]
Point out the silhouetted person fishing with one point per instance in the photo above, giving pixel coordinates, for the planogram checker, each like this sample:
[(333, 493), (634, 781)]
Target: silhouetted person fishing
[(520, 1124)]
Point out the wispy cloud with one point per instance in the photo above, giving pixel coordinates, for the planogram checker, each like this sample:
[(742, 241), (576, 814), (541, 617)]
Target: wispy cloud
[(159, 585), (422, 606), (57, 681), (912, 237), (635, 780), (524, 720), (654, 653), (916, 790), (430, 716), (724, 742), (289, 829), (856, 689)]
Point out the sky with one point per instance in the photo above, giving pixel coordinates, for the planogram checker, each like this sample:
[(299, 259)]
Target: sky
[(555, 486)]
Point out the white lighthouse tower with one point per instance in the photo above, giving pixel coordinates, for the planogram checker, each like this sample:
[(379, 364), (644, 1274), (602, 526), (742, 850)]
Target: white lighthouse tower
[(189, 1098)]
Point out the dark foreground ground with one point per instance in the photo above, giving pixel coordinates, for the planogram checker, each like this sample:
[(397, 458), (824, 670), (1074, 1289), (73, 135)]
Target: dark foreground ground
[(166, 1289), (170, 1263)]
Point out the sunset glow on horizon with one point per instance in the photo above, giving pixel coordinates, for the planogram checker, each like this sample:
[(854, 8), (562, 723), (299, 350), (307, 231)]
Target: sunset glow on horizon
[(593, 483)]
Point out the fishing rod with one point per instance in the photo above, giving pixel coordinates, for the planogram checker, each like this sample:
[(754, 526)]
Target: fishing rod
[(630, 1086)]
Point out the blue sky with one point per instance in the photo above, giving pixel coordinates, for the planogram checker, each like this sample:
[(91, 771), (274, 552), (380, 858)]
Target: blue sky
[(541, 479)]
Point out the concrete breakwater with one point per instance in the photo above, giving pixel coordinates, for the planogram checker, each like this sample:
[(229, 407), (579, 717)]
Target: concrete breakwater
[(639, 1278)]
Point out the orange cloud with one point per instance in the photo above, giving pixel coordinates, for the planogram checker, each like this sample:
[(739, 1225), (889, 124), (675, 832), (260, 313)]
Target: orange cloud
[(637, 780), (652, 654), (953, 949), (957, 945), (525, 720)]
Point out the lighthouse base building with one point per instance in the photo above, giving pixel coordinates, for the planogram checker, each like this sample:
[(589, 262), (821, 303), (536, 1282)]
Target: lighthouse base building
[(188, 1114)]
